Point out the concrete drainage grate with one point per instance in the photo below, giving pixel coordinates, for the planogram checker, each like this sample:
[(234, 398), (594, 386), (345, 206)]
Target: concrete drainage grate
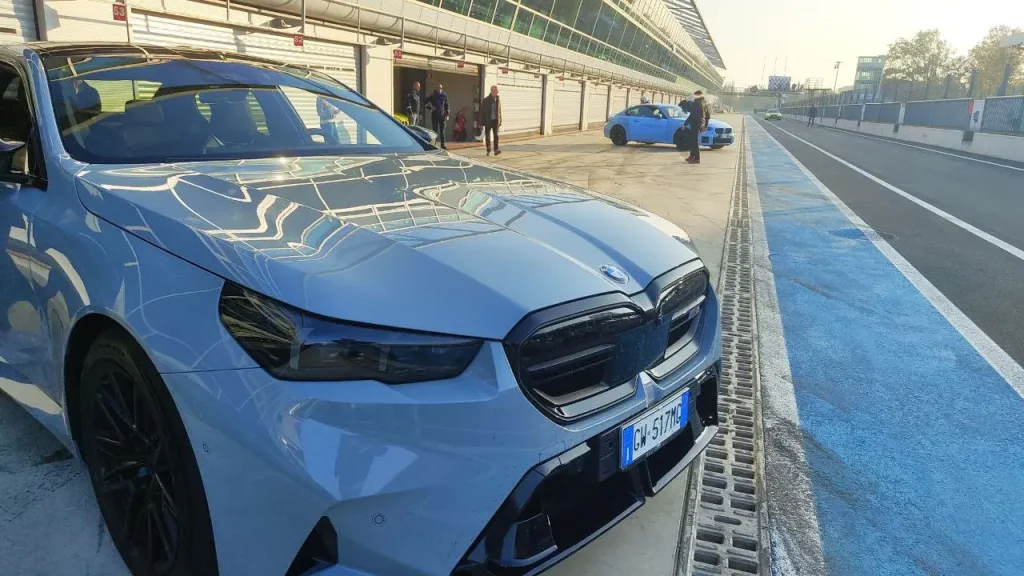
[(728, 501)]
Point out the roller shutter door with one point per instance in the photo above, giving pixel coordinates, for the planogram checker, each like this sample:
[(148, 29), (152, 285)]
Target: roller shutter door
[(568, 104), (522, 100), (17, 21), (340, 61), (618, 101), (597, 107)]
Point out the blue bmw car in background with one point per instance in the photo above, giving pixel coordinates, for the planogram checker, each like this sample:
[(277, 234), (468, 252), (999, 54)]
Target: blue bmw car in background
[(283, 351), (662, 124)]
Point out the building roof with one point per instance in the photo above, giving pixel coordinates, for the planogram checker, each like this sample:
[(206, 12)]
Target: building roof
[(688, 15)]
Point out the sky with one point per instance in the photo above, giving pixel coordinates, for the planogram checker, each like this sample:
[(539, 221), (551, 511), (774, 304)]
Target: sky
[(814, 34)]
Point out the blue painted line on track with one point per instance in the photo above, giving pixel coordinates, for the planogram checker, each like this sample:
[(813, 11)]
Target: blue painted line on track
[(915, 444)]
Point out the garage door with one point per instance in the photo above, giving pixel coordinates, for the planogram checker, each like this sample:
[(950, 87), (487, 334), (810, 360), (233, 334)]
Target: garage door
[(340, 61), (568, 104), (618, 101), (17, 21), (522, 100), (597, 107)]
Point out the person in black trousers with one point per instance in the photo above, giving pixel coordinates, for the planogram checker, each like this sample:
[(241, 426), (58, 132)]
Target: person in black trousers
[(811, 115), (412, 104), (438, 101), (490, 114), (695, 123)]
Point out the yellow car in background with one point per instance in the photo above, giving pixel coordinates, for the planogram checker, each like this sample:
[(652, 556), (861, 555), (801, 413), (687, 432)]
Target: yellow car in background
[(773, 114)]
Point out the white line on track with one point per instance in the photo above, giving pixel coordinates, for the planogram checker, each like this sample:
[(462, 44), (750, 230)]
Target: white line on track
[(989, 350), (925, 148), (796, 546), (1002, 245)]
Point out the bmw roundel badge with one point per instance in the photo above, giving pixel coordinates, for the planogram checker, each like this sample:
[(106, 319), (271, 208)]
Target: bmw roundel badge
[(614, 274)]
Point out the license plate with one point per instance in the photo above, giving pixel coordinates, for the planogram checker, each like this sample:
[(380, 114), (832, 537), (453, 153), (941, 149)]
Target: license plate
[(653, 428)]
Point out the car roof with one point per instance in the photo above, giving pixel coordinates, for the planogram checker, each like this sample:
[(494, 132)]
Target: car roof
[(70, 49)]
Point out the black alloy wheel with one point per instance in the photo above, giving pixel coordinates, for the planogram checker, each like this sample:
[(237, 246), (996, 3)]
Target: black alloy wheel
[(679, 139), (141, 464), (619, 136)]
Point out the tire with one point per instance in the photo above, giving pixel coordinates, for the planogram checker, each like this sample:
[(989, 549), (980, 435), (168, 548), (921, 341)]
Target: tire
[(619, 136), (718, 146), (141, 464), (679, 139)]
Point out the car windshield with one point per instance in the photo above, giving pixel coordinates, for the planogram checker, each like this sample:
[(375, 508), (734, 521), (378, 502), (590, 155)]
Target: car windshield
[(773, 111), (114, 109), (674, 112)]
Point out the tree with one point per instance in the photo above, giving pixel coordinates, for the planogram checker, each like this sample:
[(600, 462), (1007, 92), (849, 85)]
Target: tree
[(990, 60), (922, 58)]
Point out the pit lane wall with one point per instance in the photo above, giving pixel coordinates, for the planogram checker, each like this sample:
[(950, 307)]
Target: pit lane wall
[(1003, 146)]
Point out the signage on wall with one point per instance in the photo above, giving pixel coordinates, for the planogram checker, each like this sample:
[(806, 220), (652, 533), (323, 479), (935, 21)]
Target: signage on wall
[(397, 52), (504, 70), (120, 12), (299, 40), (460, 64)]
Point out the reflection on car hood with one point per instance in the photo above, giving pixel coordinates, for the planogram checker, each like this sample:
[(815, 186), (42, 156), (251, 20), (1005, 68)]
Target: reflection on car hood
[(426, 242)]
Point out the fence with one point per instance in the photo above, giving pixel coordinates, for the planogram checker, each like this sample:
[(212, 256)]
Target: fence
[(955, 114), (889, 113), (831, 111), (871, 112), (851, 112), (1004, 114)]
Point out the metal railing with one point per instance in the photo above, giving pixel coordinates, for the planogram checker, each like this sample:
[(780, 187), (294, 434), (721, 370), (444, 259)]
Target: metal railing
[(831, 112), (1003, 115)]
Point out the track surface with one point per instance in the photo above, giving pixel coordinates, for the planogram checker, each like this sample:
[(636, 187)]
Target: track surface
[(899, 403)]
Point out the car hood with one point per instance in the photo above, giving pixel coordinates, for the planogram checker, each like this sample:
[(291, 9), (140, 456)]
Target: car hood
[(424, 242), (715, 124)]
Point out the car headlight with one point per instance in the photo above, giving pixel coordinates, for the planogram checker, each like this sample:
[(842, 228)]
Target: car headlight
[(295, 345)]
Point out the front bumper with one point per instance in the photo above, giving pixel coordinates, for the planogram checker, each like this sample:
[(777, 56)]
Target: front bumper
[(713, 139), (420, 479)]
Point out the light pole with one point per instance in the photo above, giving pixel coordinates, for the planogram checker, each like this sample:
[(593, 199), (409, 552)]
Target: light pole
[(836, 83)]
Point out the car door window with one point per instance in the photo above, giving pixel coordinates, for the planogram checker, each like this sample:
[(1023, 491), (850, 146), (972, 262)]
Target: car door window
[(634, 111), (657, 113)]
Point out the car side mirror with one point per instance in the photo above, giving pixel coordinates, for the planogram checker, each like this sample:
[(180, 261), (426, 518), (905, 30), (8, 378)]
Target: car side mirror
[(423, 134), (10, 156)]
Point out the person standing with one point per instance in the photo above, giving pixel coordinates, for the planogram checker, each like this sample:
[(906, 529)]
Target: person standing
[(695, 124), (328, 114), (491, 111), (438, 103), (413, 104), (810, 117)]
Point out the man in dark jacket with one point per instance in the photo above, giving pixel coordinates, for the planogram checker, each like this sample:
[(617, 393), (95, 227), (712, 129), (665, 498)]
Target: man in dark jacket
[(695, 123), (813, 113), (490, 114), (438, 103), (413, 105)]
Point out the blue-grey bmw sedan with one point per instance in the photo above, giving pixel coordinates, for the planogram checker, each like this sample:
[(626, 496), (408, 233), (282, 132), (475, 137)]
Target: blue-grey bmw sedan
[(288, 336)]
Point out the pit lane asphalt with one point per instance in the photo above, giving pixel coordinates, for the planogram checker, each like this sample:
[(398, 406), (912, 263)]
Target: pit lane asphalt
[(983, 281), (905, 418)]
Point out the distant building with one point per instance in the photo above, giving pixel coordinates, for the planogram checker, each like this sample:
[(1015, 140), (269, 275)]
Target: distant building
[(867, 81)]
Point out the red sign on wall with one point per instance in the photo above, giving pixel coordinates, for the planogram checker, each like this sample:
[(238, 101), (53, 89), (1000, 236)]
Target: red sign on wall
[(504, 70), (298, 40), (397, 53), (120, 13), (460, 64)]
